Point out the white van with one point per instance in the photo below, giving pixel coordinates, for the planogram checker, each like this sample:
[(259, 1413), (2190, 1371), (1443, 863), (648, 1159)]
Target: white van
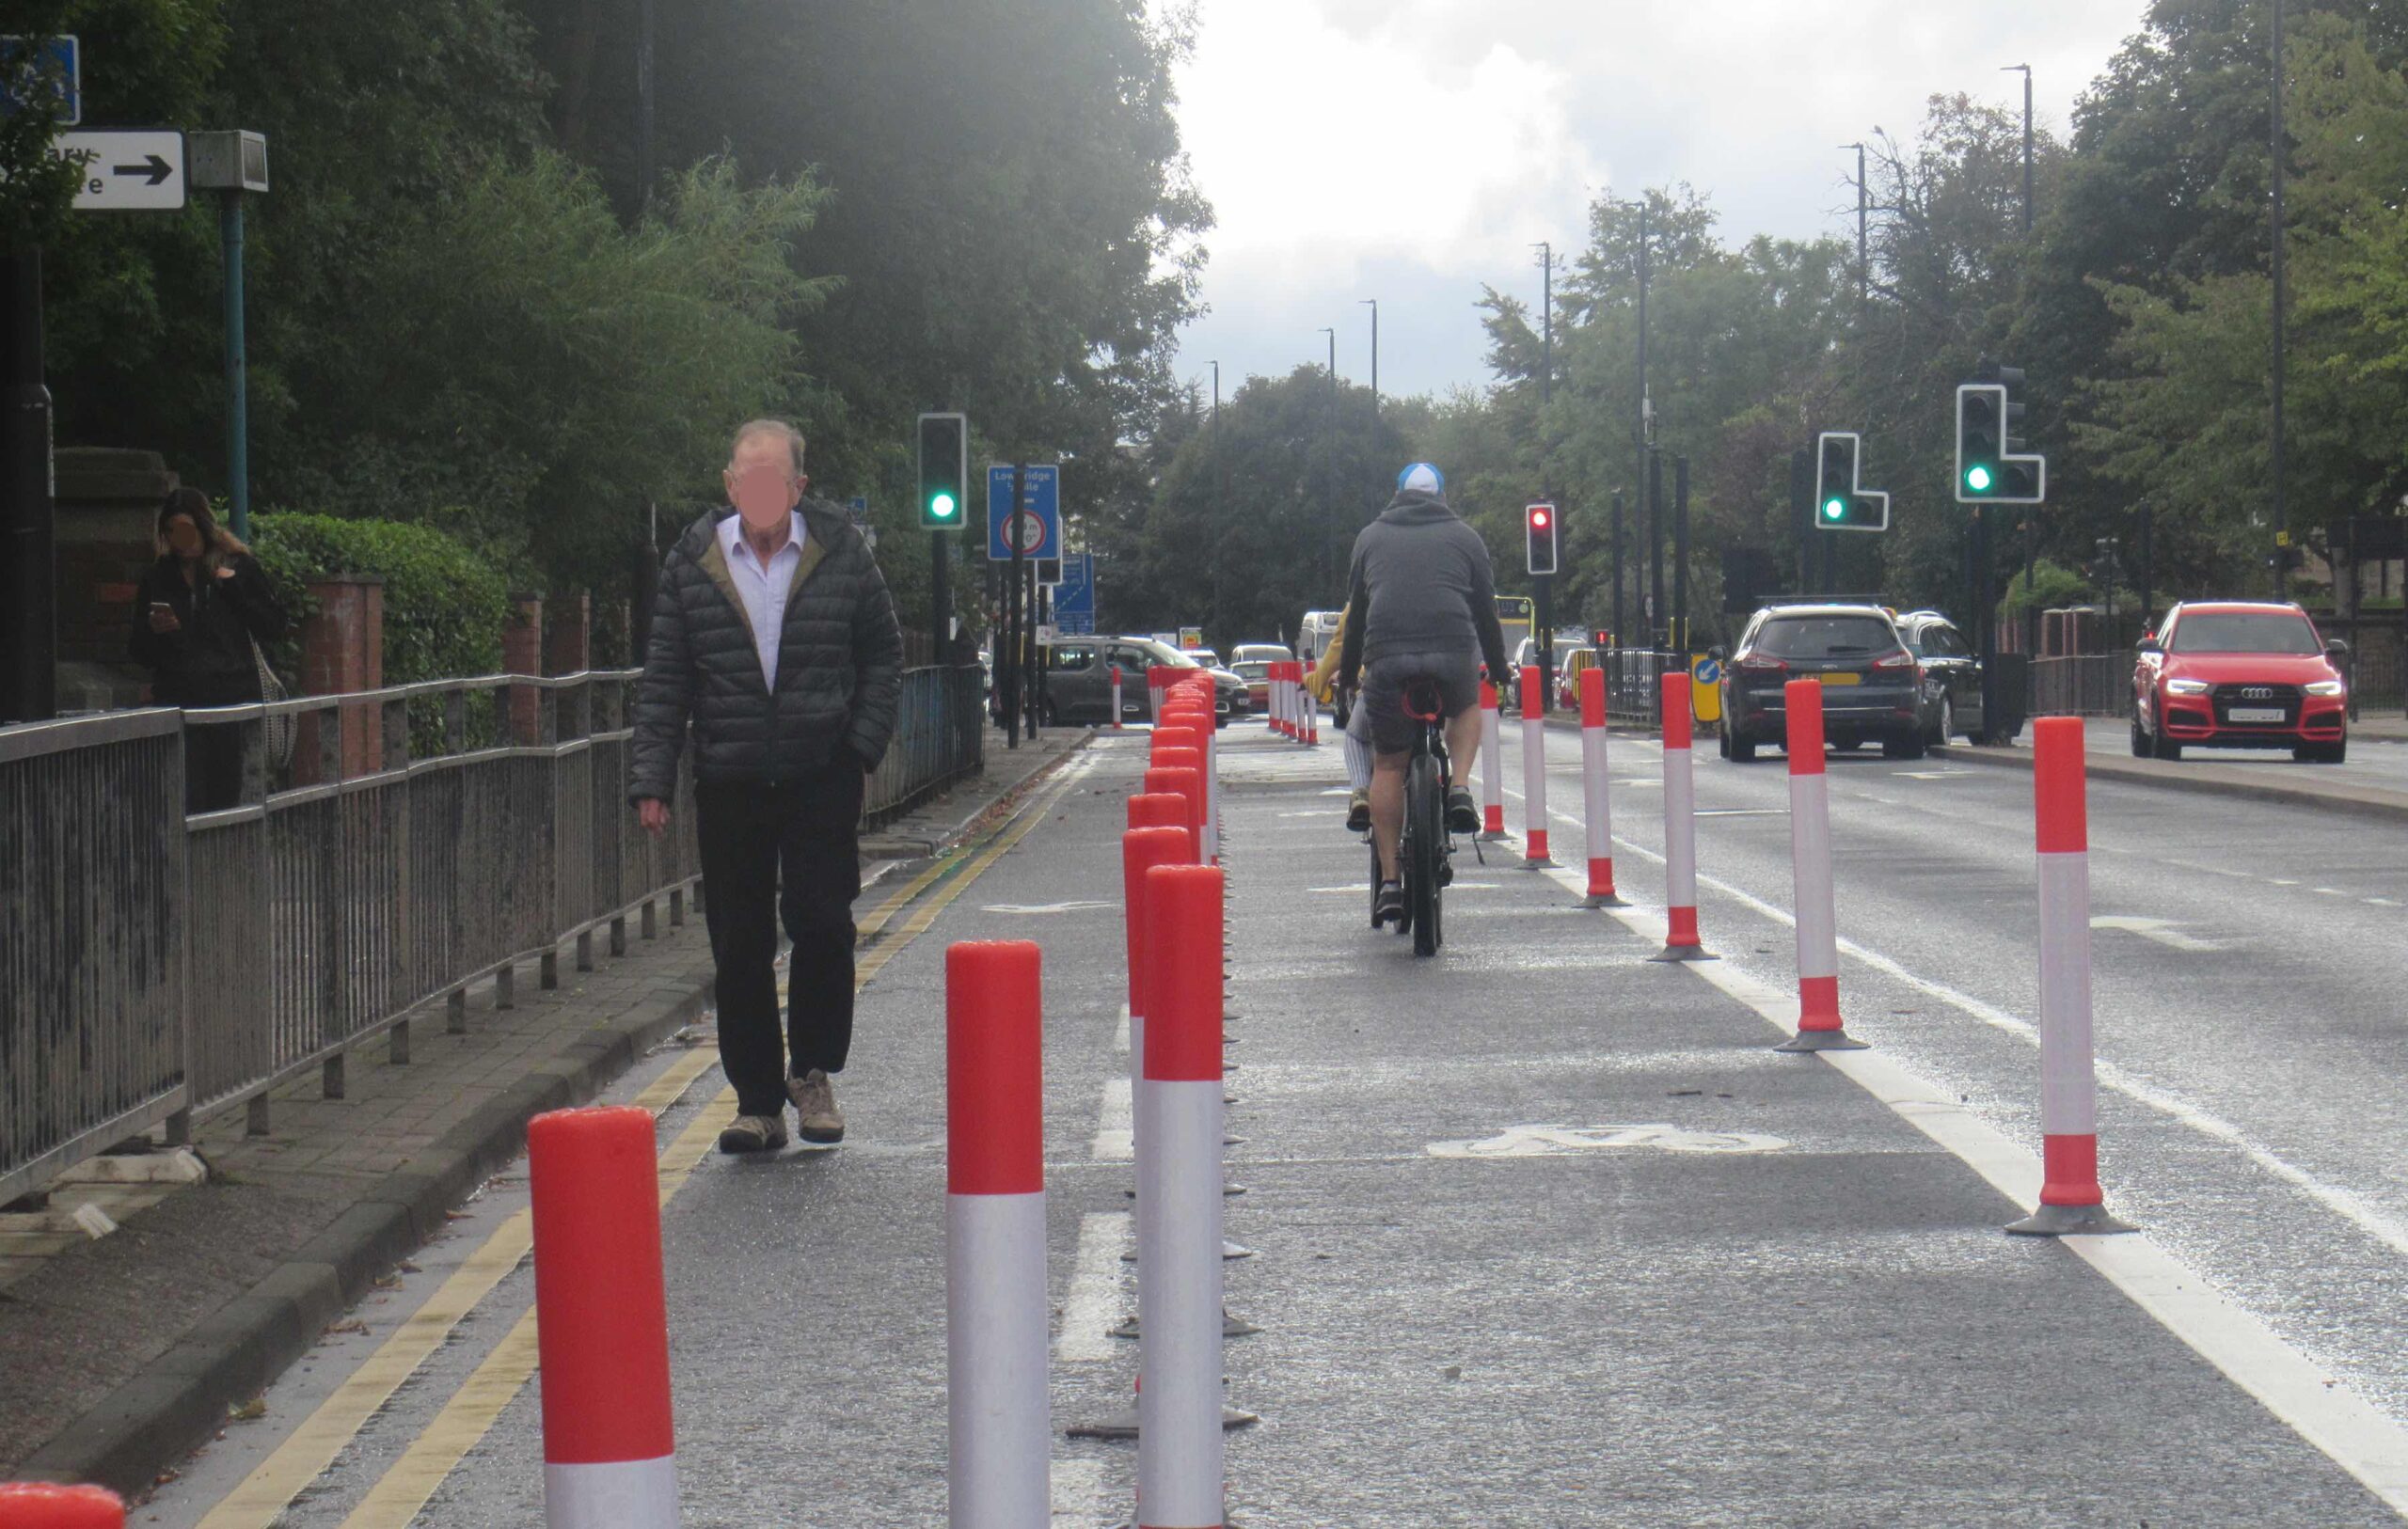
[(1313, 636)]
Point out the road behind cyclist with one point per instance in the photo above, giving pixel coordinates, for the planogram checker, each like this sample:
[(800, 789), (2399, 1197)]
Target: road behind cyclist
[(1424, 607)]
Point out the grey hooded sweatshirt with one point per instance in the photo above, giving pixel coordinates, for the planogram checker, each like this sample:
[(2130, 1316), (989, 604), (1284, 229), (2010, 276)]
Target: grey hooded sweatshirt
[(1419, 583)]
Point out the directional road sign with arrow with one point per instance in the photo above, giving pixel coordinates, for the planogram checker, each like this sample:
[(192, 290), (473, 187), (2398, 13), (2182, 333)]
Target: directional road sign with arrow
[(126, 169)]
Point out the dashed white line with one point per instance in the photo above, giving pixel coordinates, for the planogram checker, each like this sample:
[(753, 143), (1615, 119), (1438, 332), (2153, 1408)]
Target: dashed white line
[(1092, 1304), (1116, 1131)]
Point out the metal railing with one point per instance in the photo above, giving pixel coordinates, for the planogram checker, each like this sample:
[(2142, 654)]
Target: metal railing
[(159, 965), (1634, 681), (2087, 685)]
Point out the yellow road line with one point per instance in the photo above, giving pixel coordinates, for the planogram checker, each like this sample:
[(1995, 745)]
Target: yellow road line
[(398, 1497), (310, 1448)]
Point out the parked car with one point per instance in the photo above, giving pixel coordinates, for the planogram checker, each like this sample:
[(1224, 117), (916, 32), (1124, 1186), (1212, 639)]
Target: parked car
[(1567, 676), (1508, 694), (1205, 656), (1257, 674), (1260, 652), (1872, 686), (2240, 674), (1952, 676), (1078, 680)]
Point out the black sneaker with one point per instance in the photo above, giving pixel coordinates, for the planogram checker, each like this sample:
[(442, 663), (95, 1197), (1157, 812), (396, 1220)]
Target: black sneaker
[(1358, 811), (1462, 815), (1390, 907)]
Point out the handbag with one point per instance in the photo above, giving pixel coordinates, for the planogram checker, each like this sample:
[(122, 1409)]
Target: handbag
[(276, 734)]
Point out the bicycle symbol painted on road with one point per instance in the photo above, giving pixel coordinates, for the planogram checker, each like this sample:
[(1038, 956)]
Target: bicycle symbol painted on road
[(1559, 1141)]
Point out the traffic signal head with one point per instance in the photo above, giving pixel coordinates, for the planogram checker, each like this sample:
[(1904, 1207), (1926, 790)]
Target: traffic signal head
[(1840, 504), (1539, 521), (945, 467), (1988, 468)]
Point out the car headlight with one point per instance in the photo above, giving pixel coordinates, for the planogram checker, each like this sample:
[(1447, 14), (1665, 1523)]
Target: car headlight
[(2325, 687), (2187, 688)]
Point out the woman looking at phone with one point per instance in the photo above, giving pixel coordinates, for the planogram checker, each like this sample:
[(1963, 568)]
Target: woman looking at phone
[(200, 611)]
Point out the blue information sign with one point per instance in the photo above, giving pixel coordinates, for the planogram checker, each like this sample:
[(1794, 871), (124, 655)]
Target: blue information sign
[(1040, 516), (1074, 597), (60, 58)]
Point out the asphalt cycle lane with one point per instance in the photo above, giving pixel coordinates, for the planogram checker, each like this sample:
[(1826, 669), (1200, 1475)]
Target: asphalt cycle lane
[(1544, 1234), (2251, 1096)]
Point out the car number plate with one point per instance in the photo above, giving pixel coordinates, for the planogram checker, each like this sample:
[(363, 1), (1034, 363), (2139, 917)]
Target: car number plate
[(2255, 714), (1842, 677)]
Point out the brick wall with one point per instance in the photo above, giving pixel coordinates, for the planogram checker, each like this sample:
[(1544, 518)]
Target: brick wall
[(342, 652)]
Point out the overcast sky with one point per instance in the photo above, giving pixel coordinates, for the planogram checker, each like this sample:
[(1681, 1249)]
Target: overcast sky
[(1411, 149)]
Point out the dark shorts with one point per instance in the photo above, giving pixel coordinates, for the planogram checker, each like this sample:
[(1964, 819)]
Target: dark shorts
[(1456, 674)]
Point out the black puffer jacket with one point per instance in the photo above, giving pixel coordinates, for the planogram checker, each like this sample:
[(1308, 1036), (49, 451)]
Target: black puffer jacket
[(207, 660), (840, 664)]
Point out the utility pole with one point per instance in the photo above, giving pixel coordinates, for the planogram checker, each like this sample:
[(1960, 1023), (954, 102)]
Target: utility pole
[(1681, 559), (29, 673), (645, 156), (1622, 636), (1374, 303), (1646, 414), (1329, 499), (1220, 506), (2279, 147), (1863, 266), (1546, 323), (1655, 461), (2026, 70)]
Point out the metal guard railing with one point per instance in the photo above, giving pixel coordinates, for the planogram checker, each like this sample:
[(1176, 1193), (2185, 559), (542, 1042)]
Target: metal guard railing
[(155, 966)]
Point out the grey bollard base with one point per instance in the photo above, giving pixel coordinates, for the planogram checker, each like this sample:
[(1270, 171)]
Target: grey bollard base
[(648, 926), (585, 950), (677, 907), (1603, 900), (399, 1055), (619, 935), (547, 970), (330, 1078), (1823, 1040), (2070, 1220), (1684, 953), (456, 1012), (1231, 1327), (1122, 1425), (257, 1119), (505, 987)]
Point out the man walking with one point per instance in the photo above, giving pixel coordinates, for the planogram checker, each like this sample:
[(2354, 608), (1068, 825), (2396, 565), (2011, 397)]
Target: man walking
[(774, 634)]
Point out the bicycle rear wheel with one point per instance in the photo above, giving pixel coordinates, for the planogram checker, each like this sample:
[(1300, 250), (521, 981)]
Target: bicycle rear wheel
[(1375, 881), (1425, 834)]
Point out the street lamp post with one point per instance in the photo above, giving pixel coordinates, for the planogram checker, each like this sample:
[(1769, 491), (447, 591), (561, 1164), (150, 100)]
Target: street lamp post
[(2278, 147), (1373, 303), (1863, 265), (1329, 505)]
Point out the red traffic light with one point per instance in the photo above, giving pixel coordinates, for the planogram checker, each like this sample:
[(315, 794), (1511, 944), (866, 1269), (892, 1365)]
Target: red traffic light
[(1539, 526), (1540, 516)]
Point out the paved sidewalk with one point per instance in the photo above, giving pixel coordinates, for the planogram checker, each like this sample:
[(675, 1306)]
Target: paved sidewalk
[(123, 1351)]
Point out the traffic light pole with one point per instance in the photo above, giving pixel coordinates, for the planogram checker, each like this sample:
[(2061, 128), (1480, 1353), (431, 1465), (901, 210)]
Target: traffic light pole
[(28, 673), (1622, 633), (941, 597), (1543, 633), (1654, 545), (1986, 622), (1681, 557)]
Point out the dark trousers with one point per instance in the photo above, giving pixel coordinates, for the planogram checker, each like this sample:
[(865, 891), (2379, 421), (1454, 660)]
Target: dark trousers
[(789, 852)]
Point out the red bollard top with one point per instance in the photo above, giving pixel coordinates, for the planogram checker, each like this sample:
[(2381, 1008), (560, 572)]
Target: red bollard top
[(1803, 701), (1179, 735), (1183, 913), (1488, 699), (2059, 792), (46, 1504), (994, 1068), (1159, 676), (1158, 810), (1534, 693), (593, 1177), (1141, 850), (1186, 783), (1593, 698), (1678, 724), (1179, 757)]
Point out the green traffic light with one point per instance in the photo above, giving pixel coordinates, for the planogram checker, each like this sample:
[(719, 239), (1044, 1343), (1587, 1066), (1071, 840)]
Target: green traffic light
[(1834, 509), (941, 506), (1977, 478)]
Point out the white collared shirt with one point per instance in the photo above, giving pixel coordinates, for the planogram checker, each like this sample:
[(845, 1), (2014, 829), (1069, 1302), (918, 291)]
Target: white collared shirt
[(763, 590)]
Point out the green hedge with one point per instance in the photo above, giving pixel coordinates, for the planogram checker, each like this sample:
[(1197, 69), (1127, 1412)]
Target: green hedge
[(444, 606)]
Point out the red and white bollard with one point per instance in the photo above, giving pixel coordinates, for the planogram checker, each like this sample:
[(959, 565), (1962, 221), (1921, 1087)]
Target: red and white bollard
[(1183, 781), (1115, 698), (1286, 698), (1680, 942), (1596, 790), (997, 1320), (1810, 869), (1159, 679), (2070, 1200), (46, 1504), (1534, 854), (601, 1320), (1492, 763), (1310, 707), (1179, 1463)]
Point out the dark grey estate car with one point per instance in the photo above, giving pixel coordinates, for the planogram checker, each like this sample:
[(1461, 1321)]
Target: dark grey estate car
[(1872, 684), (1078, 680)]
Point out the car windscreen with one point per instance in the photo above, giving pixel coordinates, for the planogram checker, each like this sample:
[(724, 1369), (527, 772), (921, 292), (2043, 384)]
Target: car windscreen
[(1826, 636), (2243, 631), (1252, 671)]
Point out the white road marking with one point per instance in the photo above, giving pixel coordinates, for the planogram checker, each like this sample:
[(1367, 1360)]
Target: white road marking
[(1116, 1132), (1078, 1492), (1120, 1033), (2381, 902), (1558, 1140), (1043, 908), (2160, 930), (1092, 1304)]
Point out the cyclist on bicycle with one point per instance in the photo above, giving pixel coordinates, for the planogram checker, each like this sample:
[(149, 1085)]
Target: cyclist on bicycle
[(1424, 608)]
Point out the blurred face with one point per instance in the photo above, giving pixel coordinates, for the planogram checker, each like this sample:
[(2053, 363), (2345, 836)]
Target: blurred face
[(762, 482), (184, 537)]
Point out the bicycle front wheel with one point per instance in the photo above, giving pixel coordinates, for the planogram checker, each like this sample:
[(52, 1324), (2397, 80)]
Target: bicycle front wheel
[(1425, 798)]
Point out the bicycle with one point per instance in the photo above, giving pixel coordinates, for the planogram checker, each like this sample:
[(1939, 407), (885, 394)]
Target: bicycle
[(1424, 850)]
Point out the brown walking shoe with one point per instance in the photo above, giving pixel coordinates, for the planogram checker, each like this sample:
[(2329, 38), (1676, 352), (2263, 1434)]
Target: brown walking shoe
[(816, 1117), (754, 1133)]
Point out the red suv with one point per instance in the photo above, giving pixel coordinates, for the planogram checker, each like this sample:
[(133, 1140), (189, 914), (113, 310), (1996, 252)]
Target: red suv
[(2233, 674)]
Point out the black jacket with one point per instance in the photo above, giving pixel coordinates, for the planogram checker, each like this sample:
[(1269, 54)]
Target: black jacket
[(1419, 583), (840, 664), (207, 660)]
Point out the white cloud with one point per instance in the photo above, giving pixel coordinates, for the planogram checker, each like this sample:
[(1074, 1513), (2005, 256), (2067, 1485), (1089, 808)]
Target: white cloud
[(1410, 150)]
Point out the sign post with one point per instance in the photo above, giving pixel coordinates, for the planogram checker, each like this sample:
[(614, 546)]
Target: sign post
[(1074, 597), (231, 163)]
